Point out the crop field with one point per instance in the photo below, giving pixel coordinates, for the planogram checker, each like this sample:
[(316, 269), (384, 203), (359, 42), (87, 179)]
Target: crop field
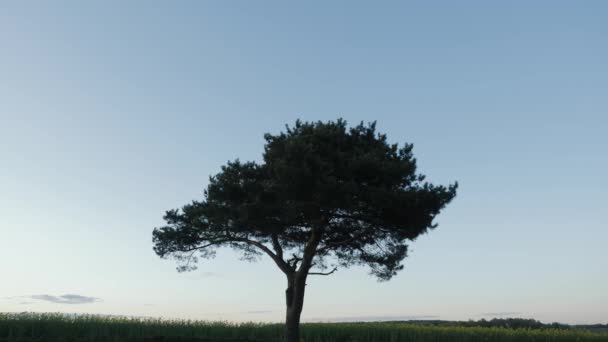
[(29, 327)]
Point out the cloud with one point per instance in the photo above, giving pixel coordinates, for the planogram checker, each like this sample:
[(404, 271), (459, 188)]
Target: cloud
[(500, 314), (65, 299), (374, 318)]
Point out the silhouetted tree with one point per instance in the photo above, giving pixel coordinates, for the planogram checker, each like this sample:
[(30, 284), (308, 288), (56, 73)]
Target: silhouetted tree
[(325, 196)]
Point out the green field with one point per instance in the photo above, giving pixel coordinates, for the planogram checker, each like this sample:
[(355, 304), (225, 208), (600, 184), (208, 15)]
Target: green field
[(29, 327)]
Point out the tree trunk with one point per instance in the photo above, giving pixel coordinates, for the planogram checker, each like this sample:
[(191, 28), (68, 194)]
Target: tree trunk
[(292, 326), (294, 296)]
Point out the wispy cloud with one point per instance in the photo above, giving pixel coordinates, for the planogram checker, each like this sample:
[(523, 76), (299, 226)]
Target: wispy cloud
[(374, 318), (65, 299), (500, 314)]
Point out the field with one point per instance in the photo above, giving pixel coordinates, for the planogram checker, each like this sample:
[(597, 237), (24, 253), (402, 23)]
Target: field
[(29, 327)]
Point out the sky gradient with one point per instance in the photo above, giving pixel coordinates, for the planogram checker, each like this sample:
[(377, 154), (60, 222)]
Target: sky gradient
[(113, 112)]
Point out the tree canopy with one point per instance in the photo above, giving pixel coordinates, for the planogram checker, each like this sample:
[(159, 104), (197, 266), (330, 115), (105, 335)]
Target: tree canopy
[(324, 196)]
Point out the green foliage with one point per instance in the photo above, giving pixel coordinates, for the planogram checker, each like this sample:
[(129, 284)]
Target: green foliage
[(324, 196), (28, 327)]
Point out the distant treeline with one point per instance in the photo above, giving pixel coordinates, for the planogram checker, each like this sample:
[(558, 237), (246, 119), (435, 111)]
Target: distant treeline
[(511, 323)]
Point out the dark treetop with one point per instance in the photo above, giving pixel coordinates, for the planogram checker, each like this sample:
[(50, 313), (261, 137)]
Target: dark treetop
[(324, 196)]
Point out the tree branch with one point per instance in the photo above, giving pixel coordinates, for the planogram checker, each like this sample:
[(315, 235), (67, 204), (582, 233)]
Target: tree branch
[(293, 261), (310, 250), (277, 246), (201, 247), (323, 273), (277, 258)]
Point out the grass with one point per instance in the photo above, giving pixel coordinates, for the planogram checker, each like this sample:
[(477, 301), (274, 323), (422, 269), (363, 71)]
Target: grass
[(31, 327)]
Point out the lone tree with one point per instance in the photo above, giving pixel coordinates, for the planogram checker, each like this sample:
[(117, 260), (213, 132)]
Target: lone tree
[(325, 196)]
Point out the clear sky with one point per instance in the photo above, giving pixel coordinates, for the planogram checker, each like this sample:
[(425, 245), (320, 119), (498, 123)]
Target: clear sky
[(113, 112)]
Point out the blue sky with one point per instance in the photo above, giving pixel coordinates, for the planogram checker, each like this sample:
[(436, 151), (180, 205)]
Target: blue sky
[(113, 112)]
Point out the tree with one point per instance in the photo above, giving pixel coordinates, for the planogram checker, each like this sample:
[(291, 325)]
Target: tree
[(325, 196)]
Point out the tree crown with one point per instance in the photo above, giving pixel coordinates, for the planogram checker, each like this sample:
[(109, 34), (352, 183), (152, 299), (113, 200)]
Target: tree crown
[(324, 195)]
